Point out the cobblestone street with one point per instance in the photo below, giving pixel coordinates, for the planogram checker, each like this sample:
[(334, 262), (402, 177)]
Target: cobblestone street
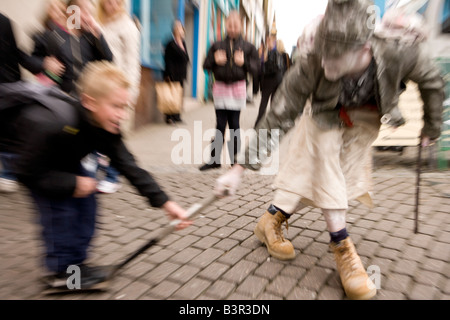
[(220, 258)]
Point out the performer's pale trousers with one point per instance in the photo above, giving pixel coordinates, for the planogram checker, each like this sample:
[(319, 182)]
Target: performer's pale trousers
[(327, 168)]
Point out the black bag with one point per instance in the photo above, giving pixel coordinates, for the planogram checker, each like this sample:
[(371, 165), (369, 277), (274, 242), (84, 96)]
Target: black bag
[(23, 104), (274, 63)]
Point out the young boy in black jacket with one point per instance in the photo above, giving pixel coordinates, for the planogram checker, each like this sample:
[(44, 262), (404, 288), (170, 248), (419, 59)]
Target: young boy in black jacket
[(50, 165)]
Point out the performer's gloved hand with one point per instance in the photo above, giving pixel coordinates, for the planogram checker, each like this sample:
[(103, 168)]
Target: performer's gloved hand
[(228, 183)]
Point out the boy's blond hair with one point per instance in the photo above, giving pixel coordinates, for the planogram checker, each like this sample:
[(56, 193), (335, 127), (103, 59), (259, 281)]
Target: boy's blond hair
[(100, 78)]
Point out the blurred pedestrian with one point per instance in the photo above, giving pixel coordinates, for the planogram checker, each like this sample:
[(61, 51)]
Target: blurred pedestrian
[(57, 137), (353, 81), (285, 56), (123, 38), (230, 61), (11, 57), (176, 59), (73, 47), (272, 74), (257, 80), (55, 18)]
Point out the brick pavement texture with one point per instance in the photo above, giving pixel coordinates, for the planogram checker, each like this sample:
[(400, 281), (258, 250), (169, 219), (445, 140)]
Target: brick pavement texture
[(219, 257)]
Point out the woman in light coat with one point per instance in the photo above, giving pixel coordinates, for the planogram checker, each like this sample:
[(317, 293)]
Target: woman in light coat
[(123, 38)]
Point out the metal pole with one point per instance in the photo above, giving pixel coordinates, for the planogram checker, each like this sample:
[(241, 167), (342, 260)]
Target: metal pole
[(419, 164)]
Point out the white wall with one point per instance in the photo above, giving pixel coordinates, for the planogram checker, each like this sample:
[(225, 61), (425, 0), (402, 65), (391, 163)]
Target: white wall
[(26, 17)]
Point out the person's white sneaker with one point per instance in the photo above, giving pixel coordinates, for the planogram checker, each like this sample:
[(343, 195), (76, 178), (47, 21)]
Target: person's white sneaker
[(107, 187), (8, 186)]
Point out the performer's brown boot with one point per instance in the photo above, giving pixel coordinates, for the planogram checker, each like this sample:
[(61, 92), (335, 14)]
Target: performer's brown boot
[(268, 230), (356, 282)]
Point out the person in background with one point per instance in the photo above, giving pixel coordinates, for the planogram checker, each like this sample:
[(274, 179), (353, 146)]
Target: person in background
[(123, 38), (176, 59), (11, 58), (74, 47), (257, 80), (285, 56), (230, 61), (272, 75), (55, 18)]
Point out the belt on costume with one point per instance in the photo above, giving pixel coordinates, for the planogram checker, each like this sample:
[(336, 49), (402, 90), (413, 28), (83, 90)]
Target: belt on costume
[(343, 115)]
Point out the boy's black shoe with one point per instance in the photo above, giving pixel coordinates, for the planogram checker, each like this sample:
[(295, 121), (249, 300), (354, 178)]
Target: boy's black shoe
[(91, 278), (210, 166)]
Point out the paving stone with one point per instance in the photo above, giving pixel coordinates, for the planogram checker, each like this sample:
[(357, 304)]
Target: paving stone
[(240, 271), (439, 251), (161, 272), (192, 289), (134, 290), (214, 271), (223, 232), (186, 255), (268, 296), (226, 244), (397, 283), (391, 242), (384, 294), (301, 293), (206, 242), (388, 253), (252, 286), (234, 255), (163, 290), (207, 257), (316, 249), (259, 255), (241, 235), (293, 272), (220, 289), (183, 274), (429, 278), (269, 269), (331, 293), (413, 253), (407, 267), (315, 278), (281, 285), (422, 292)]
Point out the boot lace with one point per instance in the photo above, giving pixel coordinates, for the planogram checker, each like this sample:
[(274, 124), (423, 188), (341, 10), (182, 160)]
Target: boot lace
[(350, 259), (278, 227)]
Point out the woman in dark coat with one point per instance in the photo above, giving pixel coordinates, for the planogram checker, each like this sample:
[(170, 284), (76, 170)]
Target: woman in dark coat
[(176, 59)]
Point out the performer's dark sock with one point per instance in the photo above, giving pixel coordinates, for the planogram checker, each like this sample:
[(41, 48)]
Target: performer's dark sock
[(339, 235), (273, 210)]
